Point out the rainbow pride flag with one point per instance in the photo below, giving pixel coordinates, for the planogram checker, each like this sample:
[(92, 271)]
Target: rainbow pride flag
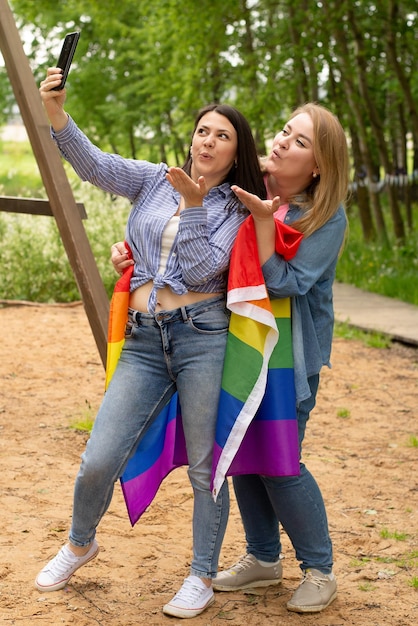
[(257, 429), (118, 316), (263, 437), (163, 447)]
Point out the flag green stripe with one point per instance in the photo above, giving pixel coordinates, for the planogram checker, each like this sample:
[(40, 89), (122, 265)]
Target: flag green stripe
[(241, 368), (283, 352)]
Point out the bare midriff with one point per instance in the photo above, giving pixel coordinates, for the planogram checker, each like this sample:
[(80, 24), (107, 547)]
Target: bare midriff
[(166, 299)]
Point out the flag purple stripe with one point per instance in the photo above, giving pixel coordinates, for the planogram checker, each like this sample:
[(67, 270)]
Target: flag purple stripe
[(161, 450), (269, 448)]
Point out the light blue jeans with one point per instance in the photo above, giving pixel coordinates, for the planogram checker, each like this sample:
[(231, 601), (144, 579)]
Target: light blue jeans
[(179, 350), (294, 502)]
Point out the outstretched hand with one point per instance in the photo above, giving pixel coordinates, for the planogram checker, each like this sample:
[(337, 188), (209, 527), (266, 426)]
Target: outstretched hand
[(193, 193), (259, 209)]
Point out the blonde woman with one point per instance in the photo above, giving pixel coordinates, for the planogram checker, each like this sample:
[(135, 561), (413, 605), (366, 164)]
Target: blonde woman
[(306, 177)]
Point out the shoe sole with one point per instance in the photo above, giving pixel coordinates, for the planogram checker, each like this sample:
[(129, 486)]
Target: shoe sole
[(311, 609), (175, 611), (63, 583), (256, 583)]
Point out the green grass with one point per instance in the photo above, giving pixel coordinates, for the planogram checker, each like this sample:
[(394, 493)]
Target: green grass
[(84, 422), (356, 563), (386, 534), (367, 586), (369, 338), (405, 562), (388, 270), (19, 173)]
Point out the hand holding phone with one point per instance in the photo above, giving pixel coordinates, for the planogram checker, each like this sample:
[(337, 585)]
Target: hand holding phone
[(66, 56)]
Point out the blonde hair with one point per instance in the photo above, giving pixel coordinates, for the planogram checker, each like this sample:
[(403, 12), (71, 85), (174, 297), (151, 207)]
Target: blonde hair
[(321, 199)]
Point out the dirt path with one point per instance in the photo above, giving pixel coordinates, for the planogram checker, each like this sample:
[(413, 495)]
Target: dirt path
[(358, 445)]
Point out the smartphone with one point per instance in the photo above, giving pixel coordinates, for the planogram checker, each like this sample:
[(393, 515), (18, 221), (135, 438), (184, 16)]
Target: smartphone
[(66, 56)]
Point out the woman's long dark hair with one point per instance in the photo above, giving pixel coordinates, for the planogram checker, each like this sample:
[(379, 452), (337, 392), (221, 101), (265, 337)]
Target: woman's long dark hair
[(246, 173)]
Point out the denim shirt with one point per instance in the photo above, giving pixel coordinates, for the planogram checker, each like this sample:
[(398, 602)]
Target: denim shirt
[(199, 258), (307, 279)]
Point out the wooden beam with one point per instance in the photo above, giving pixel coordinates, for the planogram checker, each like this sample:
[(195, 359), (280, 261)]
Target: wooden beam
[(32, 206), (63, 205)]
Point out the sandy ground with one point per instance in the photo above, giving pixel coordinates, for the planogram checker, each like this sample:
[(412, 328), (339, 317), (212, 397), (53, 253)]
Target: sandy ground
[(358, 445)]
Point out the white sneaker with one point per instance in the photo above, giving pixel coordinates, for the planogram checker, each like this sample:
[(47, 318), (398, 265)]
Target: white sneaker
[(192, 599), (56, 574)]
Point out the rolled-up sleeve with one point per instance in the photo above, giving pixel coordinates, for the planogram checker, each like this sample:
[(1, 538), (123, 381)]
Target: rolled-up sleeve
[(110, 172), (315, 254)]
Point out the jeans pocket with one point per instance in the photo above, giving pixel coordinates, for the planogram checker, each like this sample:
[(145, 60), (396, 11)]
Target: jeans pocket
[(210, 321)]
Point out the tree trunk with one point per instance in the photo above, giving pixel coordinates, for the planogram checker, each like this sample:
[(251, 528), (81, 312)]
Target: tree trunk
[(362, 194), (375, 123), (359, 117)]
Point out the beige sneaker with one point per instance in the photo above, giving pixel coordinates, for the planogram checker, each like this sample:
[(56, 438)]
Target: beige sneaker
[(315, 592), (248, 572)]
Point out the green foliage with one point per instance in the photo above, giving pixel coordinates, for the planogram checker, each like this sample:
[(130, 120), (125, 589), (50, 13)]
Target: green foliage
[(33, 259), (35, 266), (406, 562), (142, 70), (83, 424)]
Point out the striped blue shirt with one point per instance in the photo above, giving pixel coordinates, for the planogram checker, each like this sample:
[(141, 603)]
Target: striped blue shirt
[(199, 258)]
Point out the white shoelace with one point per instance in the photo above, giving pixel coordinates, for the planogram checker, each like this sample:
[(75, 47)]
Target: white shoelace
[(191, 592), (63, 562)]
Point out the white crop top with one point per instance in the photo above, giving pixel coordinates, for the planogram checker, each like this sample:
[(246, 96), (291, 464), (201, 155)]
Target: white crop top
[(167, 240)]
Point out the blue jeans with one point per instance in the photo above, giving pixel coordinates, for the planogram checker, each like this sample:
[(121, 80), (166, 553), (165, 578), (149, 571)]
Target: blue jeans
[(294, 502), (181, 350)]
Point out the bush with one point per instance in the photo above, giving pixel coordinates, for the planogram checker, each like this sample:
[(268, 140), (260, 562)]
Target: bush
[(34, 262)]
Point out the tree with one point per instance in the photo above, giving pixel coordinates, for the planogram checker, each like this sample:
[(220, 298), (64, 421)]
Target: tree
[(142, 70)]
